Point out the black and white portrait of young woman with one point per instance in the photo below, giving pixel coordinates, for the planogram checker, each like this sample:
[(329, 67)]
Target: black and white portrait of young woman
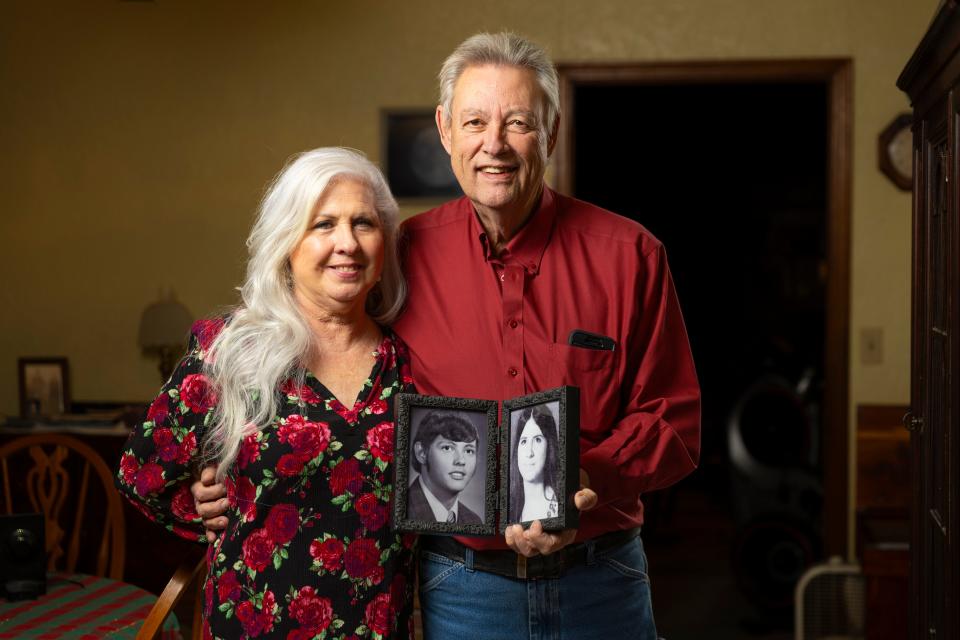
[(447, 466), (534, 463)]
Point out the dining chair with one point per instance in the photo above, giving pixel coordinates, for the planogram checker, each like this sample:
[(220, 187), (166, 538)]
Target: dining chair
[(183, 581), (60, 476)]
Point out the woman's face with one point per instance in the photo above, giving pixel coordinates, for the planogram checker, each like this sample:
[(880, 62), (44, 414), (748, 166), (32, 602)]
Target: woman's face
[(531, 452), (340, 256)]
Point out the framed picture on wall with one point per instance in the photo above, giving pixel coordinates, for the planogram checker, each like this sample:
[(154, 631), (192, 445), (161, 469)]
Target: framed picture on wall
[(44, 387), (414, 161)]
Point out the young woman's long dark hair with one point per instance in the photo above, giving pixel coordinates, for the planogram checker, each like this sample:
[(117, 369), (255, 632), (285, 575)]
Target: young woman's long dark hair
[(543, 418)]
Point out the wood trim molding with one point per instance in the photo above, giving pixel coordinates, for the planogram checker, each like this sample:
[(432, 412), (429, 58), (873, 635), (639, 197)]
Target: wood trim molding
[(836, 74), (838, 515), (881, 417)]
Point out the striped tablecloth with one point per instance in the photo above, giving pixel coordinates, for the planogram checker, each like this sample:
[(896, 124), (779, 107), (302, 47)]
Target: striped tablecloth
[(82, 606)]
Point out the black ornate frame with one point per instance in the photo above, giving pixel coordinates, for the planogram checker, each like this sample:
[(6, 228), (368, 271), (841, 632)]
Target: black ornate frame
[(568, 427), (406, 402)]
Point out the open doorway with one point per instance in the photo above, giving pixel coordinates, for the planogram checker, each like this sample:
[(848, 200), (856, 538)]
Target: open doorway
[(742, 170)]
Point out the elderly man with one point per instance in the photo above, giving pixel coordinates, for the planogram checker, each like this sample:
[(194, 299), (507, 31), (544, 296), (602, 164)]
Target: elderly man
[(499, 281)]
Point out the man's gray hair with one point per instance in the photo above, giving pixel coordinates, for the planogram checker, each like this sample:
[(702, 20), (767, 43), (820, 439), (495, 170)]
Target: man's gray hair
[(502, 48)]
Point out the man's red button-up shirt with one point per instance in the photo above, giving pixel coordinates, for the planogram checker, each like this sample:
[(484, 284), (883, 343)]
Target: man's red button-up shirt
[(496, 327)]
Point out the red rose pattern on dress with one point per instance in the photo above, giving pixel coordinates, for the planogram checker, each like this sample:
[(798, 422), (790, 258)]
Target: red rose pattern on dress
[(310, 490), (242, 496), (205, 331), (183, 506), (197, 394), (158, 411), (380, 441), (249, 450)]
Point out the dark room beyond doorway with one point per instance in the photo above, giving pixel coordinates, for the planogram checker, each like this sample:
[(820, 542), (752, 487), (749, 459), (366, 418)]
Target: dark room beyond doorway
[(733, 179)]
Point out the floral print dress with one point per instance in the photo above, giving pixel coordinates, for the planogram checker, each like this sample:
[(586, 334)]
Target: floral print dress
[(309, 552)]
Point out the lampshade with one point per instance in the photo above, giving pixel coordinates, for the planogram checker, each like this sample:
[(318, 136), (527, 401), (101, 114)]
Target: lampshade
[(165, 323)]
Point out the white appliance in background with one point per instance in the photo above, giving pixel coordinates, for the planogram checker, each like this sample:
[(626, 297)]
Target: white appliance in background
[(830, 602)]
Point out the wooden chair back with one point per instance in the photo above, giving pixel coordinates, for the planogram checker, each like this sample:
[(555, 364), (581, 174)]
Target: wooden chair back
[(186, 580), (54, 471)]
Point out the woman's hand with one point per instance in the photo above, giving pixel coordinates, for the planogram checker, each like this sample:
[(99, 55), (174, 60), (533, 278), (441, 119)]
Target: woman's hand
[(536, 541), (211, 501)]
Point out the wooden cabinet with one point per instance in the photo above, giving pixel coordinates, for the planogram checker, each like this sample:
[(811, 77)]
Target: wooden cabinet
[(932, 80)]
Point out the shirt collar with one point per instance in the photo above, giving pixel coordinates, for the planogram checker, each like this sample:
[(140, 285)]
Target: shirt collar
[(526, 248), (440, 512)]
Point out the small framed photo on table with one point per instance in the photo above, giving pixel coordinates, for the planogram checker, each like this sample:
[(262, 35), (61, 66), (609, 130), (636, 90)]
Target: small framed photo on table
[(540, 459), (44, 387), (445, 461)]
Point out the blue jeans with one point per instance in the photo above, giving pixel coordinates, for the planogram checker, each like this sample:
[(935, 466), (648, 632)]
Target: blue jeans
[(608, 597)]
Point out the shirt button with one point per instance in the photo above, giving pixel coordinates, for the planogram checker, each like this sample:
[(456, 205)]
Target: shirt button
[(513, 324), (513, 372)]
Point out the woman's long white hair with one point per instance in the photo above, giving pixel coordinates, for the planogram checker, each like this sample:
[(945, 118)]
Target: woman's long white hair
[(267, 339)]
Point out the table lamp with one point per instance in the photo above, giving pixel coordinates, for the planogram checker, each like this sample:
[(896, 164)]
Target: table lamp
[(164, 327)]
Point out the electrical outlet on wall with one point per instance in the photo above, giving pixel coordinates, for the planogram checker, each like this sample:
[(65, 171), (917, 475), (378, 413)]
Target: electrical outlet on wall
[(871, 345)]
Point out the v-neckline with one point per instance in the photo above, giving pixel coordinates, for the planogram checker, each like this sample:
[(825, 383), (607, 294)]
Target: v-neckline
[(384, 347)]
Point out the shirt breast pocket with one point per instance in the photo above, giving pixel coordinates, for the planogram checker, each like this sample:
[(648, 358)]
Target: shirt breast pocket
[(597, 374)]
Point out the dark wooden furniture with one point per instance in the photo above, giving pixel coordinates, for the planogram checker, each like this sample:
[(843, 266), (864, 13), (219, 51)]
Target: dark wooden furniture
[(883, 472), (184, 582), (885, 571), (58, 475), (932, 80), (151, 554), (883, 518)]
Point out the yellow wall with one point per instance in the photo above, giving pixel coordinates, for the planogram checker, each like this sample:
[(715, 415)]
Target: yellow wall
[(135, 138)]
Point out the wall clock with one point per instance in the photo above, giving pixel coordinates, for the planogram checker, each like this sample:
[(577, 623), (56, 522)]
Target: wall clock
[(895, 151)]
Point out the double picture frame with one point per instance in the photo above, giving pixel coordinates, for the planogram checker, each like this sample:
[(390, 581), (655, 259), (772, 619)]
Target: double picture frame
[(464, 468)]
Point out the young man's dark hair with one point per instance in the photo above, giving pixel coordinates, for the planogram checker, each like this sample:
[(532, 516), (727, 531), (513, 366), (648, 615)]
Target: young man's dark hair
[(442, 423)]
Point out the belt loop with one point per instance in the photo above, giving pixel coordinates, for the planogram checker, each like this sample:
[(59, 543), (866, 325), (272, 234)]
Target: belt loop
[(521, 567), (468, 559), (589, 544)]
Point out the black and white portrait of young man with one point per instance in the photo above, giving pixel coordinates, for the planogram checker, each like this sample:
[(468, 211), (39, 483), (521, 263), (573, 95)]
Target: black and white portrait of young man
[(447, 466)]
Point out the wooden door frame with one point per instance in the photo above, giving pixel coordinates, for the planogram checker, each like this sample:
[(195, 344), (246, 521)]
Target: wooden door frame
[(836, 74)]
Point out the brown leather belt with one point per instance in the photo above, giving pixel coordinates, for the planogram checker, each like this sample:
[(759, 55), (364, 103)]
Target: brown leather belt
[(513, 565)]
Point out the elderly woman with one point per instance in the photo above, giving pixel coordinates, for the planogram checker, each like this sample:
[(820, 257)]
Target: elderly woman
[(533, 466), (291, 397)]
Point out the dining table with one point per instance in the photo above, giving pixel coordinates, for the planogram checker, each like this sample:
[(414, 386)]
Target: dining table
[(80, 606)]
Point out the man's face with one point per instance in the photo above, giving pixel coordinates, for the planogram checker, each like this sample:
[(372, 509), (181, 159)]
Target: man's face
[(497, 141), (447, 466)]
